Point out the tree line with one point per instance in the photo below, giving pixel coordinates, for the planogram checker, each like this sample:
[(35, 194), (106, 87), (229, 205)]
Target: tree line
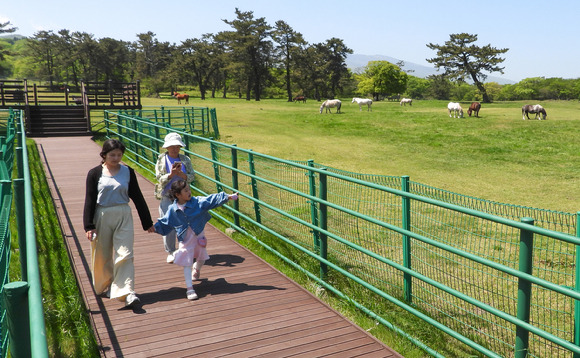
[(256, 60)]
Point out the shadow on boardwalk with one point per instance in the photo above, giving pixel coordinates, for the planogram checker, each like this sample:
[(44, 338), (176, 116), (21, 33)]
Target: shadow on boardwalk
[(246, 307)]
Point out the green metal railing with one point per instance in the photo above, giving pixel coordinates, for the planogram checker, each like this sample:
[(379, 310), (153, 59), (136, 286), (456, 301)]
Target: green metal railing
[(200, 121), (500, 279), (21, 309)]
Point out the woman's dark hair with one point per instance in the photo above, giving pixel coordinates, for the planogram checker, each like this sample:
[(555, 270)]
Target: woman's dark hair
[(176, 187), (111, 144)]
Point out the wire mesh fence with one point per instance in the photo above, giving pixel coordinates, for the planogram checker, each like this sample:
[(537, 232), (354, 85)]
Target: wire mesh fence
[(456, 261)]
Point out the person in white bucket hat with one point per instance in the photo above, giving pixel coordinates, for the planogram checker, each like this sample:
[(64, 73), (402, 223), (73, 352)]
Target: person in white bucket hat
[(171, 166)]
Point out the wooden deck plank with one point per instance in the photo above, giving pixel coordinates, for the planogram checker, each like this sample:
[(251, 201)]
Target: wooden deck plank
[(246, 307)]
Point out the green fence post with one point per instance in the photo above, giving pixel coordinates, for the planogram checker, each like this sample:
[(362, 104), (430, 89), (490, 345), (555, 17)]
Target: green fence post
[(107, 123), (216, 168), (254, 187), (313, 211), (186, 140), (577, 288), (323, 217), (190, 123), (524, 289), (204, 119), (19, 163), (406, 222), (21, 223), (235, 184), (15, 297), (214, 122), (136, 140)]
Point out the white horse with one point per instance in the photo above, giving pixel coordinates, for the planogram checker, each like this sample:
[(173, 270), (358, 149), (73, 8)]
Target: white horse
[(536, 108), (363, 101), (456, 109), (331, 103), (404, 102)]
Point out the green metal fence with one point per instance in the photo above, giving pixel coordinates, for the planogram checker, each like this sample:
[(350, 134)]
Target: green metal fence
[(21, 310), (200, 121), (500, 279)]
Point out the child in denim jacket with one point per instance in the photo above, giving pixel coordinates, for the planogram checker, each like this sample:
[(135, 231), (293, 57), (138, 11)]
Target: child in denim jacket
[(188, 216)]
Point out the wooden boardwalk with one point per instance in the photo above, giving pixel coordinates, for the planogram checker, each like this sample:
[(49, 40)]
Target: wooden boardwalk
[(246, 307)]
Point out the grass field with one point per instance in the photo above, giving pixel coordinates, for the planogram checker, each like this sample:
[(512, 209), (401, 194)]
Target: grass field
[(497, 157)]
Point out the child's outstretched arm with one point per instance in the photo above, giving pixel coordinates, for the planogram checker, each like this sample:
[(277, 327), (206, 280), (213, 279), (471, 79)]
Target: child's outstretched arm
[(233, 196), (162, 226)]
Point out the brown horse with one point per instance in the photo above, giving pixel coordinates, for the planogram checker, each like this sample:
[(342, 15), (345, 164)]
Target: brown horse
[(181, 96), (299, 99), (475, 107)]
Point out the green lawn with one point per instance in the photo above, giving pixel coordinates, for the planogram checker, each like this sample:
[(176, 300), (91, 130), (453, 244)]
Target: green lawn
[(497, 157)]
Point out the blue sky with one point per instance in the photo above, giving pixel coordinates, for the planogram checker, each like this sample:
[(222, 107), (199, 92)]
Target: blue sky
[(542, 36)]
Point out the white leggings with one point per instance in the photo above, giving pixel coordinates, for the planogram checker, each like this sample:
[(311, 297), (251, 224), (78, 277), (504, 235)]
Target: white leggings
[(187, 271)]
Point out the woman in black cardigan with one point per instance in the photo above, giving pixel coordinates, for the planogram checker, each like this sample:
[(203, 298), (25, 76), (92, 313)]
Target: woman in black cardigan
[(108, 223)]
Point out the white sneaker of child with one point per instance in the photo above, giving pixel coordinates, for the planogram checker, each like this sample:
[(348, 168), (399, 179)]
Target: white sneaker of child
[(191, 295)]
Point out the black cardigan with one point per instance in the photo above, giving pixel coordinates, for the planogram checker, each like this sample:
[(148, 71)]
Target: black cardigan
[(134, 194)]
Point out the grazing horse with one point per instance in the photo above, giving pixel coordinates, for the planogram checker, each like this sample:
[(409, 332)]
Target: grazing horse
[(77, 100), (363, 101), (475, 107), (331, 103), (181, 96), (456, 109), (537, 109), (299, 98), (404, 102)]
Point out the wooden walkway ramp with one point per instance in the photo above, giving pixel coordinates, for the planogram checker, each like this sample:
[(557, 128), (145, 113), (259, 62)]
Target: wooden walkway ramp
[(246, 307)]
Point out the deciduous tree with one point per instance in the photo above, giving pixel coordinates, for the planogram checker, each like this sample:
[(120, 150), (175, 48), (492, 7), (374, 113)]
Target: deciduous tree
[(382, 78)]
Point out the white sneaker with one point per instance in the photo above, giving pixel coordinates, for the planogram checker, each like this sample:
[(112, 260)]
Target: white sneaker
[(132, 300), (170, 258), (191, 295)]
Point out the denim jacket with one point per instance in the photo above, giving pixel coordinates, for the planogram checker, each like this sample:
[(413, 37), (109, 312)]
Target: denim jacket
[(194, 215)]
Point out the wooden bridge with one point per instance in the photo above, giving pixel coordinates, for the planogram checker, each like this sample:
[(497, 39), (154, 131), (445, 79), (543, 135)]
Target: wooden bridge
[(246, 307), (57, 110)]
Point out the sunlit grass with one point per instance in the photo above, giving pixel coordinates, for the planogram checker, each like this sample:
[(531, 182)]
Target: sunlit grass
[(497, 157)]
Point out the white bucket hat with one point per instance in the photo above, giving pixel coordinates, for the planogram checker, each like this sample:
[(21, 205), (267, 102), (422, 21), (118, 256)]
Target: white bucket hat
[(173, 139)]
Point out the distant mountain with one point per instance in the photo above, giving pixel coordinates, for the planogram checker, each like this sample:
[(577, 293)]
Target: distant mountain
[(357, 63), (12, 37)]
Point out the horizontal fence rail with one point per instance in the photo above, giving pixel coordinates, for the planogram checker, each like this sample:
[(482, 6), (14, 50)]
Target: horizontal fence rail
[(21, 93), (500, 279), (201, 121)]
